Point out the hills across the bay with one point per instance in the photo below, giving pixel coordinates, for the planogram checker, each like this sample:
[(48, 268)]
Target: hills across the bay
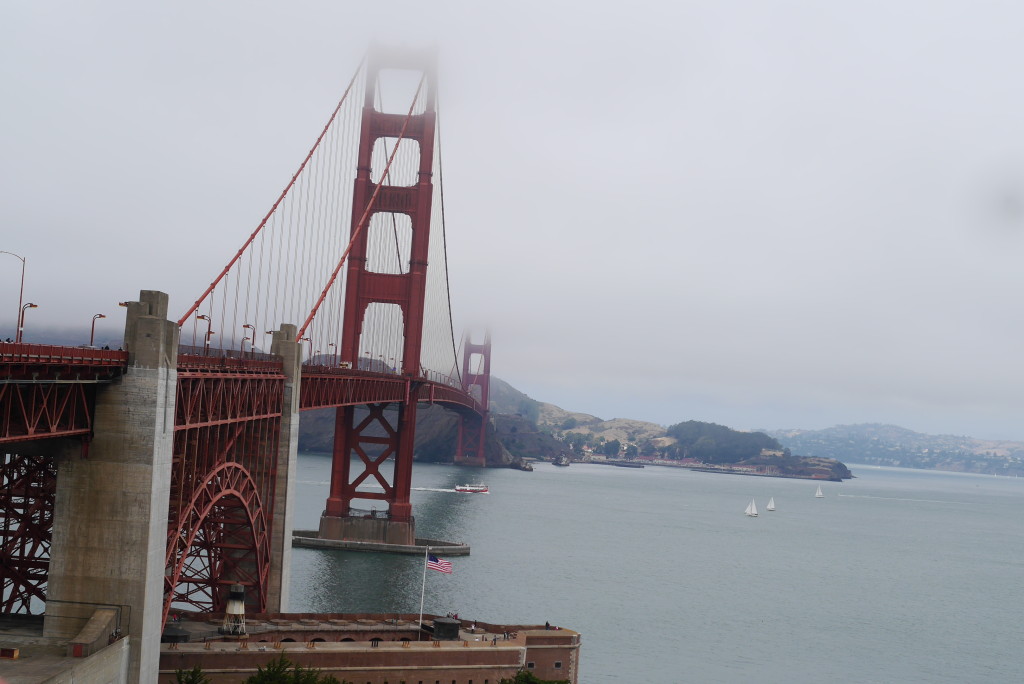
[(526, 429), (870, 444)]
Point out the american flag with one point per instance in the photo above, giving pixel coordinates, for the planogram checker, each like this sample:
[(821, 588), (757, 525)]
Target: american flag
[(435, 563)]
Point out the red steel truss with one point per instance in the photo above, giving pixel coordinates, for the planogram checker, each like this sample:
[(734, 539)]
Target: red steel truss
[(227, 432), (48, 389), (42, 410), (27, 490)]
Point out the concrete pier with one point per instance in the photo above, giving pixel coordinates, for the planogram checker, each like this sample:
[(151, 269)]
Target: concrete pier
[(368, 529), (311, 539), (110, 518), (285, 346)]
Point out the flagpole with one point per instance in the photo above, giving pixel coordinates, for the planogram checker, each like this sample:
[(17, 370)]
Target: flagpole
[(423, 591)]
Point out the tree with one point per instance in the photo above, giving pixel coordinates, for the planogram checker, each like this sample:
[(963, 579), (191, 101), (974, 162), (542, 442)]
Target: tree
[(283, 671), (632, 451), (193, 676), (527, 677), (713, 443), (575, 440), (611, 448)]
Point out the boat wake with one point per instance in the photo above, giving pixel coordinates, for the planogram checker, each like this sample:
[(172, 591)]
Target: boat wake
[(417, 489), (896, 498)]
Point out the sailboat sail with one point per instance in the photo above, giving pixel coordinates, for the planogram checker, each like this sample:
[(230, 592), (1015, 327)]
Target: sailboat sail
[(752, 509), (771, 504), (818, 494)]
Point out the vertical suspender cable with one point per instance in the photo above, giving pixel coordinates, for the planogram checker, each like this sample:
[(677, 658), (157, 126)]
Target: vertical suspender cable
[(288, 187)]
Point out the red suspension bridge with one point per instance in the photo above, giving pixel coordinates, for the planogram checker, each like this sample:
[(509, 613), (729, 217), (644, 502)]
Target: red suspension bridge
[(185, 441)]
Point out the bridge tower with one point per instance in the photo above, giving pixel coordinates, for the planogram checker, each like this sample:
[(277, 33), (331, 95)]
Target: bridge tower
[(386, 429), (476, 380)]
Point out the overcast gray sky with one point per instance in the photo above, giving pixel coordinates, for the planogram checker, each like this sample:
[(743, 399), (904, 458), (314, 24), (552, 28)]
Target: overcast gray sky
[(764, 214)]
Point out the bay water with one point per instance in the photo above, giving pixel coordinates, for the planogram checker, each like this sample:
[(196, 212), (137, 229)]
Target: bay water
[(895, 576)]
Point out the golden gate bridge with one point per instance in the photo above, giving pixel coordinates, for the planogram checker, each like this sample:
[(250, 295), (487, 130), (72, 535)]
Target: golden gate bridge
[(181, 447)]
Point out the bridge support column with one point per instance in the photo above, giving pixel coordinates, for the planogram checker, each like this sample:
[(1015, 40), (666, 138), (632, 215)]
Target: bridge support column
[(377, 438), (285, 346), (476, 379), (472, 437), (387, 430), (110, 514)]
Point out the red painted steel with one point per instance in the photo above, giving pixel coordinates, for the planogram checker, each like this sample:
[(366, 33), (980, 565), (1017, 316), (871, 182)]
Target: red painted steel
[(219, 537), (45, 410), (230, 364), (476, 380), (227, 434), (407, 290), (35, 362), (27, 491), (359, 226), (324, 388)]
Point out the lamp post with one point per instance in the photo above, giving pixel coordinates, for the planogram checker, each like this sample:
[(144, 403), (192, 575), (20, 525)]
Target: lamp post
[(92, 333), (21, 292), (334, 353), (241, 345), (245, 327), (306, 339), (21, 320), (206, 340)]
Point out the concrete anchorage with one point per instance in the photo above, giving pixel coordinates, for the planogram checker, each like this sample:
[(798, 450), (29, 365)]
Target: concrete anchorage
[(110, 516)]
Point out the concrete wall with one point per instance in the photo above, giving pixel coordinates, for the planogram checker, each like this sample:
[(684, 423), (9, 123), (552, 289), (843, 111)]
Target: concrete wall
[(325, 641), (107, 666), (284, 345), (110, 517), (227, 663), (376, 530)]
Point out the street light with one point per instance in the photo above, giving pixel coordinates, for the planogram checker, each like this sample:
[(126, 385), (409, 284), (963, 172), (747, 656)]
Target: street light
[(334, 353), (248, 326), (306, 339), (21, 319), (92, 333), (21, 292), (206, 342)]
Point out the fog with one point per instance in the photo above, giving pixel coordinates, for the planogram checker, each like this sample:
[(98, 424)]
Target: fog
[(761, 214)]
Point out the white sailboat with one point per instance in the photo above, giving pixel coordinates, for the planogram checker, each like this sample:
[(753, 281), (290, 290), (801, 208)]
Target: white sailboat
[(752, 509), (771, 504), (818, 494)]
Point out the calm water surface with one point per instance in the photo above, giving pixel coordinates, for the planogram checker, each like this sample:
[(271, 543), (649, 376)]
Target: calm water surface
[(896, 576)]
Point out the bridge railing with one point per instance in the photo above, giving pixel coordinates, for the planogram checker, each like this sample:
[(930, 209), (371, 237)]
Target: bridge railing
[(20, 352), (203, 359)]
